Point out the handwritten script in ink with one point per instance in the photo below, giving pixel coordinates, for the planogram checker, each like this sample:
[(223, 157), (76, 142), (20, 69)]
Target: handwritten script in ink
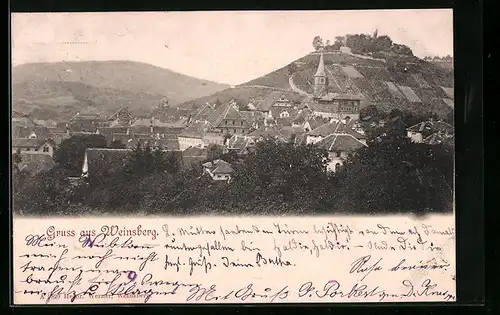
[(234, 260)]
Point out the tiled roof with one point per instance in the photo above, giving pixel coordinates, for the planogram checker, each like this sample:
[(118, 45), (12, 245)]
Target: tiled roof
[(337, 127), (330, 127), (204, 112), (292, 130), (269, 100), (302, 116), (430, 127), (436, 138), (121, 111), (323, 108), (266, 131), (340, 142), (239, 142), (29, 143), (87, 116), (196, 130), (252, 116), (341, 96), (283, 122), (219, 167), (225, 111)]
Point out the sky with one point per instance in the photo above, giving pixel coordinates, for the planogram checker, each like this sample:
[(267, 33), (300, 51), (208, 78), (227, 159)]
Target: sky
[(226, 47)]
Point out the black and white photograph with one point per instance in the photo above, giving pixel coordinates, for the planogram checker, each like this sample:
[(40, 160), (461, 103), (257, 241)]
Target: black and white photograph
[(233, 157), (282, 113)]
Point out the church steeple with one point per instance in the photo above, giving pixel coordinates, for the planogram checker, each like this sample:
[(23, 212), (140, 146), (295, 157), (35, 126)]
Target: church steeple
[(320, 78)]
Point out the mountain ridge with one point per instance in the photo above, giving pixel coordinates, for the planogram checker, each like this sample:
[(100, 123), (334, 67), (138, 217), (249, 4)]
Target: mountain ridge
[(115, 83), (371, 76)]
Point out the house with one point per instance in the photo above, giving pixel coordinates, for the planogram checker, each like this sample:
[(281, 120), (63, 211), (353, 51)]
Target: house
[(253, 118), (339, 146), (302, 116), (227, 119), (20, 119), (335, 127), (85, 123), (292, 132), (193, 155), (193, 135), (314, 123), (337, 105), (267, 102), (211, 137), (33, 132), (33, 146), (267, 132), (417, 133), (332, 105), (438, 138), (203, 113), (240, 144), (218, 170), (104, 162), (121, 118)]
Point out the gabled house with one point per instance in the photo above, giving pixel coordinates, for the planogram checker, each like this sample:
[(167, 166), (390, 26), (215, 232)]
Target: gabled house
[(267, 132), (240, 144), (438, 138), (227, 119), (85, 123), (339, 146), (203, 113), (121, 118), (193, 135), (218, 170), (33, 146), (417, 133), (337, 105), (334, 127)]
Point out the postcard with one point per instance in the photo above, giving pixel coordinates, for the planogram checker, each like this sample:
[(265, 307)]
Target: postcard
[(233, 157)]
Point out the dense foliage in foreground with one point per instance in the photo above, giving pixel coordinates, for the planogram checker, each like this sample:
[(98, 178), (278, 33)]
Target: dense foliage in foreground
[(391, 175)]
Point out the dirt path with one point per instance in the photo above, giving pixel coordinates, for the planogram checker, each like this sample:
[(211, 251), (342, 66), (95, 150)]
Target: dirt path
[(296, 88)]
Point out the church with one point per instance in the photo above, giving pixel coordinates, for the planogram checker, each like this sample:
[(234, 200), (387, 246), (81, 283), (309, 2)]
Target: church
[(332, 105)]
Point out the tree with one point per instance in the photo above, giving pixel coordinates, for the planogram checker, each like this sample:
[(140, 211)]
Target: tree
[(401, 49), (70, 153), (317, 43), (396, 175), (16, 160), (281, 172), (117, 144), (214, 152), (382, 43)]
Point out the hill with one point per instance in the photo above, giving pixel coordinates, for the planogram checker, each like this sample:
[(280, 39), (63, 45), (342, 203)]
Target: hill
[(59, 90), (391, 81)]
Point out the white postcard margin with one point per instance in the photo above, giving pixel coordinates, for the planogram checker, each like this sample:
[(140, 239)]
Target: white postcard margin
[(316, 259)]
